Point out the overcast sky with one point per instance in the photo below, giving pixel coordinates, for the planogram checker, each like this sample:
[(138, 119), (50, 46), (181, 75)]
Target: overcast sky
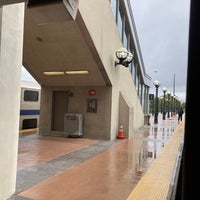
[(163, 31)]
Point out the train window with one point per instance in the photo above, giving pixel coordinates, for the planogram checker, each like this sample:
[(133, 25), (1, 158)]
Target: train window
[(29, 123), (30, 95)]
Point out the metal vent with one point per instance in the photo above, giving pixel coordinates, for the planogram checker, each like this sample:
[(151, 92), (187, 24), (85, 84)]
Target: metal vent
[(73, 124)]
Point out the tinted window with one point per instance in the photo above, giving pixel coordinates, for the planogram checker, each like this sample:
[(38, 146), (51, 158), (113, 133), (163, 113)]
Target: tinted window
[(31, 95), (29, 123)]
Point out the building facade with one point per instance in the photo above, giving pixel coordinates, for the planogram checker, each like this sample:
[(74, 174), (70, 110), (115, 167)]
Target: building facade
[(70, 47)]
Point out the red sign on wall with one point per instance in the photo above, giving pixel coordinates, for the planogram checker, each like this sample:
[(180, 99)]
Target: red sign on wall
[(92, 92)]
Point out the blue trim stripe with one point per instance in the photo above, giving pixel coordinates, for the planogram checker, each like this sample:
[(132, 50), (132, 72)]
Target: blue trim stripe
[(29, 112)]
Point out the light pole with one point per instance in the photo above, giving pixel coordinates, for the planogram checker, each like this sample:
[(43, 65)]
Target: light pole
[(161, 104), (174, 108), (172, 111), (156, 84), (164, 102), (168, 97)]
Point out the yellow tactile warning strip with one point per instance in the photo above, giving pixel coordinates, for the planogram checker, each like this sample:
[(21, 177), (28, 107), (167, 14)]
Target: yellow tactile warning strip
[(25, 132), (155, 184)]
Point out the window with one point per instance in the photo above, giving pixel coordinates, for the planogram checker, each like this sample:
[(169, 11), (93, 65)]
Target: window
[(125, 41), (29, 123), (120, 23), (114, 8), (30, 95)]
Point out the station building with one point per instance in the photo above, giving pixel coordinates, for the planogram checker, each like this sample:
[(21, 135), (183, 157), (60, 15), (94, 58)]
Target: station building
[(70, 48)]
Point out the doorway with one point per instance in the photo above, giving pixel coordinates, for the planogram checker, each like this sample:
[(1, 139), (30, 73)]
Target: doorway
[(60, 107)]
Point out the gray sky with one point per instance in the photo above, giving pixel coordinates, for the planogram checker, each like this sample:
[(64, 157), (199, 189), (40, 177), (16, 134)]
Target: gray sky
[(163, 31), (25, 76)]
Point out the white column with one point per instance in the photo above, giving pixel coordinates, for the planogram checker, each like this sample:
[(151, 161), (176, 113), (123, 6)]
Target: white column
[(11, 48)]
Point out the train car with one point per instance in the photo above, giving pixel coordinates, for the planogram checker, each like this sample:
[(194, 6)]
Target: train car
[(29, 105)]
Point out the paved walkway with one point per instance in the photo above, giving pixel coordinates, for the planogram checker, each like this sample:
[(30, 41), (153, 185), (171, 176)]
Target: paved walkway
[(55, 168), (160, 181)]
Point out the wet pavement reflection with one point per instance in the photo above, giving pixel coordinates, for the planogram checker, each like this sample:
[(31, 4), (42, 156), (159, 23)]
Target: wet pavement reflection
[(151, 142), (34, 150), (72, 169)]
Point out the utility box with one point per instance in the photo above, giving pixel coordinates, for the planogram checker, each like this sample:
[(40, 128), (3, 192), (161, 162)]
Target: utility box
[(73, 124)]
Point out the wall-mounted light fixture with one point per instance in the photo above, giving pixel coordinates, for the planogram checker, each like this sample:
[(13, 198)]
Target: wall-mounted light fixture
[(54, 73), (124, 57), (74, 72)]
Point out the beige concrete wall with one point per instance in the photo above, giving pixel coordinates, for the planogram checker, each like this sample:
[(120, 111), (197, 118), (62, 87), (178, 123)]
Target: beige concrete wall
[(11, 42), (95, 125), (45, 110), (103, 30)]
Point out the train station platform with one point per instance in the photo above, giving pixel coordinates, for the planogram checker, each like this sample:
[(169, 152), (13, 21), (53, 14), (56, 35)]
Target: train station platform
[(57, 168)]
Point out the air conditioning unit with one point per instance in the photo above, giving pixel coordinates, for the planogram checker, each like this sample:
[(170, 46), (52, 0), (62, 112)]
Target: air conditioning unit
[(73, 125)]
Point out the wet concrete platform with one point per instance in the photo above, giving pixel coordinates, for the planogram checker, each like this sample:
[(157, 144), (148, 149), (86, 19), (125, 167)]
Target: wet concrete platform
[(56, 168)]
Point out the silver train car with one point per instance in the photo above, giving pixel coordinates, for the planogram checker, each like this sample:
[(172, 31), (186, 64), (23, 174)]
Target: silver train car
[(29, 105)]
